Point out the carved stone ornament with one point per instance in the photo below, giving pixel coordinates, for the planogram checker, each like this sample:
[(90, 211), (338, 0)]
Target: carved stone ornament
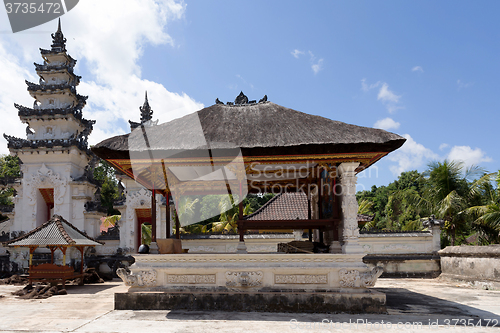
[(368, 279), (45, 178), (244, 279), (191, 278), (137, 199), (141, 279), (300, 278), (354, 279)]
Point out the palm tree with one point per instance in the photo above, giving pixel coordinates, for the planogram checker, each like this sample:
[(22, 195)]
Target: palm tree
[(448, 193), (487, 216), (229, 213)]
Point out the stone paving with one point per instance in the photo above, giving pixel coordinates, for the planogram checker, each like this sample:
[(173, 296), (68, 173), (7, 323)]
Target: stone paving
[(414, 305)]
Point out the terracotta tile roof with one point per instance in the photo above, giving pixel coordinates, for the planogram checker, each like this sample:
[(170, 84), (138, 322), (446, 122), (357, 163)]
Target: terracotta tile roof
[(55, 232), (284, 206), (289, 206)]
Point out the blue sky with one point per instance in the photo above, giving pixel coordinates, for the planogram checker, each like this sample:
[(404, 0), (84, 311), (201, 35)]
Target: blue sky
[(427, 70)]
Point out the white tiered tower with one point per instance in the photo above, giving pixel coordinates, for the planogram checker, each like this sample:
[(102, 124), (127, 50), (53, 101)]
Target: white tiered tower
[(55, 156)]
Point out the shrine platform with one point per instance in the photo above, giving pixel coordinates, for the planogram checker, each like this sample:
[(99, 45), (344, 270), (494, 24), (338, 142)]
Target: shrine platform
[(274, 282)]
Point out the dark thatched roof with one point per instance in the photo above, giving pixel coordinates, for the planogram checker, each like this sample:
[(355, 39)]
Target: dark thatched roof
[(258, 129)]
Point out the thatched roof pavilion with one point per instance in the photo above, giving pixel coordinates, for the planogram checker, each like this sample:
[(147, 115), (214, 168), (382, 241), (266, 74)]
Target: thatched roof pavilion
[(248, 146)]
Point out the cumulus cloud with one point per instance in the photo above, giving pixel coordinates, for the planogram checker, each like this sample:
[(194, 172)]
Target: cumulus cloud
[(410, 156), (297, 53), (417, 69), (387, 124), (111, 42), (468, 155)]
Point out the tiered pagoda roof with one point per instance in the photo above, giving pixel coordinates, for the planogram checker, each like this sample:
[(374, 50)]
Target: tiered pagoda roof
[(56, 61)]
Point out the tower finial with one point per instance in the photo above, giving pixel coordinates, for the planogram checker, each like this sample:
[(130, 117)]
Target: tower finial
[(58, 40), (146, 112)]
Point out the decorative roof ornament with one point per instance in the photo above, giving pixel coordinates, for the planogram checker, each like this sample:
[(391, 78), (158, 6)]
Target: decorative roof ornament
[(58, 40), (242, 99), (146, 111), (146, 116)]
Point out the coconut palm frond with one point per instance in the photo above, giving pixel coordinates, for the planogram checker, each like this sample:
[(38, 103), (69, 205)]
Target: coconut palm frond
[(365, 207), (415, 225), (110, 221)]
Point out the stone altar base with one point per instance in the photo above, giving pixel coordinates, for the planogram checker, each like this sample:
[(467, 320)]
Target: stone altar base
[(368, 301), (251, 282)]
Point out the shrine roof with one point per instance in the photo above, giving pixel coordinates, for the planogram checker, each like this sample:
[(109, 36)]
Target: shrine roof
[(55, 232), (289, 206), (264, 127)]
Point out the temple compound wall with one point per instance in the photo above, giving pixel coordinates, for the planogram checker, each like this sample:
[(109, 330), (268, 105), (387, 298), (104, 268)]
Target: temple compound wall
[(477, 265)]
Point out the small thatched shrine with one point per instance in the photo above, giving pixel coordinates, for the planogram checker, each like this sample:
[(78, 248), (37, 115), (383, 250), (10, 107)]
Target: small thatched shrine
[(55, 234)]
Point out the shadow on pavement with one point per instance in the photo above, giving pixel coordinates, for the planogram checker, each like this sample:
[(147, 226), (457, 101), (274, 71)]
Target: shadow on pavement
[(402, 305)]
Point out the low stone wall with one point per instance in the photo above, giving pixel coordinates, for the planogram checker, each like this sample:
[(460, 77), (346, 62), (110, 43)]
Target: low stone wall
[(259, 243), (479, 265), (403, 254)]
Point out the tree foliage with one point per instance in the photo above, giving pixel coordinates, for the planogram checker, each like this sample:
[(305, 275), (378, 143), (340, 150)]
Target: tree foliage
[(109, 192), (467, 200)]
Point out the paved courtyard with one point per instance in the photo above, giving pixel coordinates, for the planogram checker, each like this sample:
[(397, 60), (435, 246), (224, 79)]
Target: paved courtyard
[(414, 305)]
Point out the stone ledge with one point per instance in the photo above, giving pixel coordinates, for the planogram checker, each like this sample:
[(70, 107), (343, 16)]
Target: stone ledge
[(370, 301), (471, 251)]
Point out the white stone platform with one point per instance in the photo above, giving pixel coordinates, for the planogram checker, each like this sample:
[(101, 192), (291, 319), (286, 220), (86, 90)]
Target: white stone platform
[(308, 272)]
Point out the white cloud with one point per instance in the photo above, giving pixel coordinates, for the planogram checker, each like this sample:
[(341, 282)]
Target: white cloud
[(417, 69), (389, 98), (443, 146), (365, 87), (410, 156), (387, 124), (316, 65), (112, 42), (297, 53), (468, 155), (385, 95), (461, 84)]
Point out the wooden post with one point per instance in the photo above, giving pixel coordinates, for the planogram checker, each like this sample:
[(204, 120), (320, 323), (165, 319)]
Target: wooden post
[(32, 250), (63, 249), (81, 264), (240, 219), (167, 217), (309, 213), (177, 225), (153, 216)]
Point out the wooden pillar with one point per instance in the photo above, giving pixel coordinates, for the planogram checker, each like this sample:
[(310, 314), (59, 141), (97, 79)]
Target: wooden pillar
[(153, 216), (81, 248), (63, 249), (240, 218), (167, 215), (309, 213), (32, 250), (177, 225)]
